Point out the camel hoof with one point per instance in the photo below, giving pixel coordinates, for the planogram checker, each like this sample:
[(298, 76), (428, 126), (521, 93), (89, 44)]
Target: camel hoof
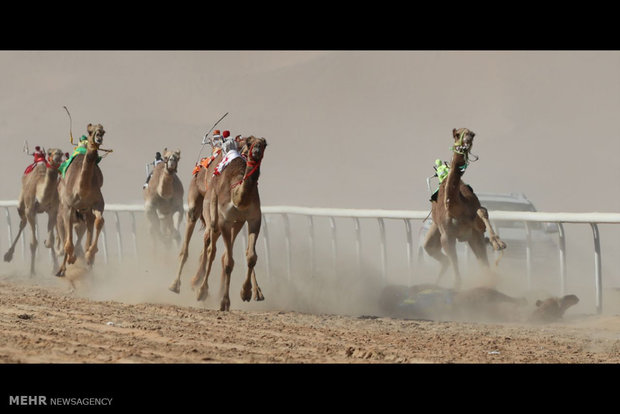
[(498, 244), (71, 259), (175, 286), (60, 273), (246, 294), (225, 305), (8, 256), (203, 292), (90, 256), (258, 295), (195, 283)]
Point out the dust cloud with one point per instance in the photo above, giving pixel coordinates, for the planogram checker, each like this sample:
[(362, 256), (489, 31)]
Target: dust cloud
[(345, 129)]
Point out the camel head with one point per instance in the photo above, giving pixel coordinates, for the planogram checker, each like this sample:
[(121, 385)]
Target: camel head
[(463, 140), (95, 135), (55, 157), (254, 148), (171, 158)]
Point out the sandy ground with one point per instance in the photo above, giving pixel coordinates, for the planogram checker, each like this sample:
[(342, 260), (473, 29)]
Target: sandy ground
[(42, 322)]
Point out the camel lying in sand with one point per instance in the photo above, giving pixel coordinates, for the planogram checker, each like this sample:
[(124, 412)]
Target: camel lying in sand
[(428, 301)]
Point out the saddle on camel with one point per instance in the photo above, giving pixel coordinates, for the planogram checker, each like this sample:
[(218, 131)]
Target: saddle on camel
[(81, 148), (39, 158)]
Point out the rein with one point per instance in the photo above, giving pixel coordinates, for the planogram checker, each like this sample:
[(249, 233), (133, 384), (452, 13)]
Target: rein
[(250, 163), (49, 163)]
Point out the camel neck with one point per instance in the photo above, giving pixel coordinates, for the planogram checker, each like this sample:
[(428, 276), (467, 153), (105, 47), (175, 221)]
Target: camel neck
[(88, 168), (459, 163), (457, 168), (50, 182), (165, 187), (244, 193)]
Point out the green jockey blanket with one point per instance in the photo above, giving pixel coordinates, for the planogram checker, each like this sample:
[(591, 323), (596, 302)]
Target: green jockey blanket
[(80, 149)]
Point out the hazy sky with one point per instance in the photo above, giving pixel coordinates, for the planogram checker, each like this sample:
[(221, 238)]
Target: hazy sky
[(345, 128)]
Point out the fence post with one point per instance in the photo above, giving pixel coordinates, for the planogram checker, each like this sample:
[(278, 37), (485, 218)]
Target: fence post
[(358, 243), (133, 233), (528, 253), (332, 226), (287, 244), (105, 244), (562, 242), (311, 243), (265, 234), (383, 249), (598, 281), (409, 249)]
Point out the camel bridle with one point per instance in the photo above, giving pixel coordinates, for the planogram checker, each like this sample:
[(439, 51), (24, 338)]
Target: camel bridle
[(252, 163), (463, 149), (51, 163)]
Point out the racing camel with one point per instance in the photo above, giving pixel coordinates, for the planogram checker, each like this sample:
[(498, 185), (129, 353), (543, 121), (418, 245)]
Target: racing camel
[(458, 215), (195, 197), (81, 198), (163, 198), (39, 194), (232, 200)]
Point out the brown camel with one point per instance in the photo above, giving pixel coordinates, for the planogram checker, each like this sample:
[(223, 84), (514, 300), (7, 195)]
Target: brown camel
[(458, 215), (81, 198), (39, 194), (202, 174), (232, 200), (163, 198), (431, 301), (552, 309)]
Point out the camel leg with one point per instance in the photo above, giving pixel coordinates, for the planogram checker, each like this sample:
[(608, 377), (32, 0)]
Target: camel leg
[(68, 247), (212, 232), (92, 247), (177, 230), (496, 242), (152, 217), (251, 257), (192, 217), (80, 229), (210, 241), (432, 246), (90, 224), (8, 256), (478, 246), (167, 230), (476, 242), (448, 244), (228, 236), (49, 242), (202, 260), (32, 220), (60, 233)]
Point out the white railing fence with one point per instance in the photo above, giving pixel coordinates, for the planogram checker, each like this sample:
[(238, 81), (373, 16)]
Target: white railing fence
[(122, 230)]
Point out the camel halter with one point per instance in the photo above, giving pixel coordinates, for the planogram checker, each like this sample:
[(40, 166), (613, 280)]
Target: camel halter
[(51, 164), (250, 163), (458, 148)]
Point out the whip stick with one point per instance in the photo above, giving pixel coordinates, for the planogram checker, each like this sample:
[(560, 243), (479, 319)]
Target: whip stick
[(70, 124), (204, 139)]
